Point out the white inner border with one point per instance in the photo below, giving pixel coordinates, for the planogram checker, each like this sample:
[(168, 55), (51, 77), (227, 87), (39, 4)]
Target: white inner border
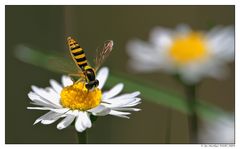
[(112, 2)]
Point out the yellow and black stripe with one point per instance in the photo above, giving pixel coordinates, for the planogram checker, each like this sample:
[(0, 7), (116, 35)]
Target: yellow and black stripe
[(77, 53)]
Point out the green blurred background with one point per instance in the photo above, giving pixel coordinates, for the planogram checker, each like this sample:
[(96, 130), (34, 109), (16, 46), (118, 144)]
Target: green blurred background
[(46, 28)]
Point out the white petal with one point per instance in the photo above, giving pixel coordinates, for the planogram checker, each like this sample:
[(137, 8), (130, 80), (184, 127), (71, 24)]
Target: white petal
[(66, 122), (100, 110), (126, 109), (122, 116), (113, 92), (42, 117), (126, 96), (79, 124), (123, 103), (97, 109), (113, 106), (53, 93), (161, 37), (47, 96), (66, 81), (85, 119), (102, 76), (119, 114), (120, 103), (62, 110), (56, 86), (193, 73), (55, 97), (225, 36), (40, 101), (39, 108), (51, 118), (103, 113), (147, 58), (141, 51), (183, 29), (136, 100), (74, 112), (220, 129), (213, 31), (152, 61), (132, 104)]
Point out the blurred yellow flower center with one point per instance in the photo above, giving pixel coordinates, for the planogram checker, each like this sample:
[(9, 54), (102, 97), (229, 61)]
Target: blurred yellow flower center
[(78, 97), (189, 48)]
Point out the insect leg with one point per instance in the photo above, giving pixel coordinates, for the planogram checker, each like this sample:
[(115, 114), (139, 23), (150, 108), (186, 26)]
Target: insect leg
[(80, 76), (73, 75)]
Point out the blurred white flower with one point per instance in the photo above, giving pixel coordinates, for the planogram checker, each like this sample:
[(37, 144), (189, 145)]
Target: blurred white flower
[(73, 100), (191, 54), (219, 130)]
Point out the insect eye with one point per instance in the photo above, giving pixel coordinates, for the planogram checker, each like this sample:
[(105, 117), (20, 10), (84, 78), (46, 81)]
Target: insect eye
[(88, 86)]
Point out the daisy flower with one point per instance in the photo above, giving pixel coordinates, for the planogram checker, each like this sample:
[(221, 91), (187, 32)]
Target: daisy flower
[(191, 54), (72, 101)]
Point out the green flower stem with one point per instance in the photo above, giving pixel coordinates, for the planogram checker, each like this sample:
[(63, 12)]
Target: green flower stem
[(192, 117), (82, 137)]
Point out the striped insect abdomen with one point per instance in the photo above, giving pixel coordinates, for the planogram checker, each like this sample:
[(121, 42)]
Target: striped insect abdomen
[(77, 53)]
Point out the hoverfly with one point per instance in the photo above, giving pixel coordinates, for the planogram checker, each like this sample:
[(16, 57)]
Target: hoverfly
[(79, 66), (85, 70)]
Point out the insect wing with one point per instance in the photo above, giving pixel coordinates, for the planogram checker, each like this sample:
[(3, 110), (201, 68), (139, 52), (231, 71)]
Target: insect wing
[(63, 65), (102, 53), (52, 62)]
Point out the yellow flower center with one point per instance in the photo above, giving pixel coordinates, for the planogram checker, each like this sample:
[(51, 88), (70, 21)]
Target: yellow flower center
[(78, 97), (189, 48)]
